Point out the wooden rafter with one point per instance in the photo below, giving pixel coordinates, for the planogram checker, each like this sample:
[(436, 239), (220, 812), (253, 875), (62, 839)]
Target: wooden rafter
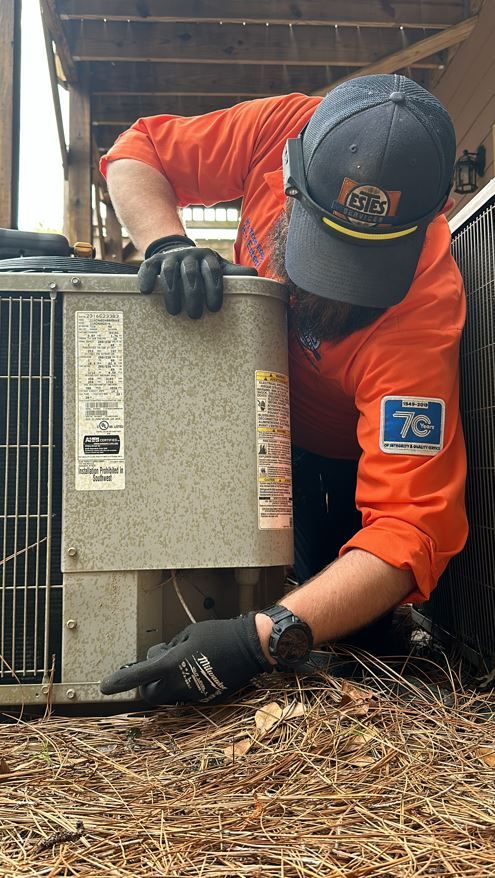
[(106, 134), (123, 110), (174, 56), (254, 45), (409, 56), (201, 80), (52, 70), (312, 13), (54, 26)]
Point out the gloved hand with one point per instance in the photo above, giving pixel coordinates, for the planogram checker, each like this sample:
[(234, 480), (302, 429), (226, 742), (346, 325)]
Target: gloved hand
[(188, 274), (205, 662)]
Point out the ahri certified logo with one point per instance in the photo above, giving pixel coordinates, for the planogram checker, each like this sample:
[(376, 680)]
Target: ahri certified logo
[(411, 425)]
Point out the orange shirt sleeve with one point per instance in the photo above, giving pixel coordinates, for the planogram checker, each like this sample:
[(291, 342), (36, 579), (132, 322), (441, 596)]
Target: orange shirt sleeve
[(412, 505), (207, 158)]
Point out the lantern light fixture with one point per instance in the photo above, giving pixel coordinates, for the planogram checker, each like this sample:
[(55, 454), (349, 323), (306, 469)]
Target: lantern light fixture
[(467, 169)]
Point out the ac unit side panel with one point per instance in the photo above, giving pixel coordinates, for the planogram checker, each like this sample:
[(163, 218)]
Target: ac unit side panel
[(109, 619), (189, 432)]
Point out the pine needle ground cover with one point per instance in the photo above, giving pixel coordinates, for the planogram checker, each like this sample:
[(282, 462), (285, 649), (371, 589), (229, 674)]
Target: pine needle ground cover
[(311, 777)]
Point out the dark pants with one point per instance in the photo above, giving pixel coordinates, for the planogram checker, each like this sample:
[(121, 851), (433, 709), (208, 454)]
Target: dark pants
[(325, 517)]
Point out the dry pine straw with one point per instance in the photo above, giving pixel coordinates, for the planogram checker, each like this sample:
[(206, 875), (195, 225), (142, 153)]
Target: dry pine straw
[(353, 780)]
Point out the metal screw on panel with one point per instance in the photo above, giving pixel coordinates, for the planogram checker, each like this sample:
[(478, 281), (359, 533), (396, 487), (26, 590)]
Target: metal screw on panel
[(71, 693), (75, 281), (52, 286), (72, 552), (45, 690), (71, 623)]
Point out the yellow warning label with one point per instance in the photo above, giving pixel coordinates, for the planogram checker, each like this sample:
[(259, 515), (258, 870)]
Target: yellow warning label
[(277, 377)]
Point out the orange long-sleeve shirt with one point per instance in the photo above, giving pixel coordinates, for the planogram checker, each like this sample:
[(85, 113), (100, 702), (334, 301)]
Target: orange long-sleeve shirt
[(388, 394)]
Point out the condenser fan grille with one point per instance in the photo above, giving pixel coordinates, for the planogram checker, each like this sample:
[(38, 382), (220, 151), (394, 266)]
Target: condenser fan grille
[(464, 602), (30, 485), (66, 264)]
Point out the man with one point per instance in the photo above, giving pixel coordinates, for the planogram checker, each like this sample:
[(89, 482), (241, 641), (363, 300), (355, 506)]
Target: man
[(354, 226)]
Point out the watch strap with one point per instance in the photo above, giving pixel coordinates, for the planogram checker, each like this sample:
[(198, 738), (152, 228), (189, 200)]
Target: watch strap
[(278, 613)]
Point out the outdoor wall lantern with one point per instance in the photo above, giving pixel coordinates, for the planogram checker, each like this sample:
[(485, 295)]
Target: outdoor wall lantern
[(467, 169)]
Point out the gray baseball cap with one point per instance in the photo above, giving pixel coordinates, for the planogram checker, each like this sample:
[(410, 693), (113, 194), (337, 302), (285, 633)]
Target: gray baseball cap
[(369, 172)]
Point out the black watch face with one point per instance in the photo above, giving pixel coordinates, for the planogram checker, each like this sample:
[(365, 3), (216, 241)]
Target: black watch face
[(293, 644)]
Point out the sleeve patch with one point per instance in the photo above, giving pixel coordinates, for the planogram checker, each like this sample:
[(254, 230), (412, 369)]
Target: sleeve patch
[(411, 425)]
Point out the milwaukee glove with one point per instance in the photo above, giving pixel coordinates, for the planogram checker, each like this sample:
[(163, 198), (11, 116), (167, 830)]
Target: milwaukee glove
[(205, 662), (188, 275)]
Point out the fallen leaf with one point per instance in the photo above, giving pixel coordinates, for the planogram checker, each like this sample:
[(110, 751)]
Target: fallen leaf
[(364, 738), (258, 810), (108, 748), (267, 717), (353, 742), (4, 768), (239, 748), (354, 693), (356, 702), (297, 708), (487, 755)]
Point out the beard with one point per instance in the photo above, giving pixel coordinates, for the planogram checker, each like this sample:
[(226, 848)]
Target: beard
[(311, 315)]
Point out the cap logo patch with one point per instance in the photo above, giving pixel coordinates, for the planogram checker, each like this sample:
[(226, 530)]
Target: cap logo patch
[(363, 204)]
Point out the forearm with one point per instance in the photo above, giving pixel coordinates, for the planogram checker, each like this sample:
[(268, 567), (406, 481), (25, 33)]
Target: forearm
[(349, 594), (144, 201)]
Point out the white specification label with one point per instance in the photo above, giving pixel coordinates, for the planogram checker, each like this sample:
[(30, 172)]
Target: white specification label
[(273, 451), (99, 355)]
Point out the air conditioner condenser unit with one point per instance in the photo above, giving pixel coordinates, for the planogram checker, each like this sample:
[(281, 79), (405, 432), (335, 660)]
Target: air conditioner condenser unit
[(462, 607), (132, 444)]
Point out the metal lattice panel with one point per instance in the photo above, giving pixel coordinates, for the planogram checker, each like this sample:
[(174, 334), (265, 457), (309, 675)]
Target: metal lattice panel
[(30, 485), (464, 602)]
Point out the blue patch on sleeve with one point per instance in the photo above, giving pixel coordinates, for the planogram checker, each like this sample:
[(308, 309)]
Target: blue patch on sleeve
[(411, 425)]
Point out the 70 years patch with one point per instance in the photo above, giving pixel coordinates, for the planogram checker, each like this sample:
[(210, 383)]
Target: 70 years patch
[(412, 425)]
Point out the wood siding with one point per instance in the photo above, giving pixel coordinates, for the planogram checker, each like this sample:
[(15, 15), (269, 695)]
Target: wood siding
[(467, 89)]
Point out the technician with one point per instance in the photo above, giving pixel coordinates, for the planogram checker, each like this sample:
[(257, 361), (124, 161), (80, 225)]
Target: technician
[(343, 200)]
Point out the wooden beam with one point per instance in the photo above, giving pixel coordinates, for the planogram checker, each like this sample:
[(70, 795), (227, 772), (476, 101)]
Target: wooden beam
[(107, 128), (56, 97), (99, 223), (78, 220), (10, 11), (410, 56), (253, 45), (206, 79), (54, 25), (313, 13), (123, 110), (113, 243)]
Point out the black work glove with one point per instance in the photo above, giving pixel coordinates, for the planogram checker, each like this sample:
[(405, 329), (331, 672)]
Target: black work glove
[(205, 662), (188, 275)]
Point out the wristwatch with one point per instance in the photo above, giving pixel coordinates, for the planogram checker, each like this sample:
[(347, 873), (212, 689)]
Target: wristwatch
[(291, 639)]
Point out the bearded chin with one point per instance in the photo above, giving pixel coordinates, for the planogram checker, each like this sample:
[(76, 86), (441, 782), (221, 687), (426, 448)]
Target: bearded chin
[(311, 315)]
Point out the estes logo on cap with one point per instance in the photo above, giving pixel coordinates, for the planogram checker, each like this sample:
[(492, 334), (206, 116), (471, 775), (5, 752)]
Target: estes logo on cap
[(365, 204)]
